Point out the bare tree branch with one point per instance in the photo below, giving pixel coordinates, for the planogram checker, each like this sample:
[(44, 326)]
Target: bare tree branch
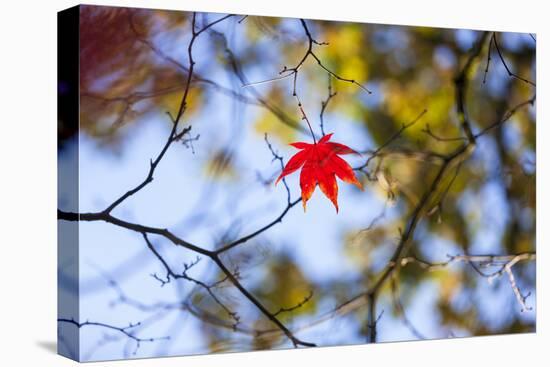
[(183, 275), (174, 135), (513, 75), (461, 88), (511, 112), (277, 157), (488, 59), (127, 330), (237, 70), (325, 103), (293, 72), (395, 136), (503, 262), (429, 132), (296, 306)]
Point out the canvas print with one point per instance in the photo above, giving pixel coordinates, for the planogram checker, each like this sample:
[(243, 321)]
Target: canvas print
[(234, 183)]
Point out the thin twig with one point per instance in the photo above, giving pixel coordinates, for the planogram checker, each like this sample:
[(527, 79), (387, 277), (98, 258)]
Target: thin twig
[(306, 299), (461, 88), (395, 136), (277, 157), (287, 72), (325, 103), (248, 237), (513, 75), (477, 262), (183, 275), (429, 132), (488, 59), (511, 112), (123, 330)]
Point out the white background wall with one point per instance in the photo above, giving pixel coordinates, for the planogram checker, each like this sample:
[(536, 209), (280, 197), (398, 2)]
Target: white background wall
[(28, 181)]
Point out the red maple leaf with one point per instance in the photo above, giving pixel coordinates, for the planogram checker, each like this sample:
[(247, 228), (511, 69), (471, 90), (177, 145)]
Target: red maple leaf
[(321, 164)]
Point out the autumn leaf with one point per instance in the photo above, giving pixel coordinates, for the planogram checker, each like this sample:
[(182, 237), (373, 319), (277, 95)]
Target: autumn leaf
[(321, 164)]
